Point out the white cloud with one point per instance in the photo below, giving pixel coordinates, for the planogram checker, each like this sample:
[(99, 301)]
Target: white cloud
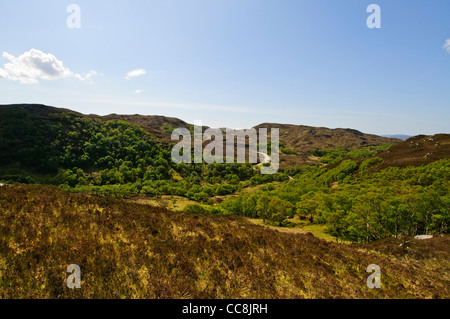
[(446, 45), (138, 91), (135, 73), (87, 76), (34, 65)]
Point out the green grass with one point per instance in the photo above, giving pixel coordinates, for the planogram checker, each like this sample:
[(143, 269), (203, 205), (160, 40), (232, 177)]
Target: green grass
[(319, 230)]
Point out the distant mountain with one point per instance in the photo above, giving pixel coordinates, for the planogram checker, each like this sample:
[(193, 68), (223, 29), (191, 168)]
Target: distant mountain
[(297, 141), (402, 137)]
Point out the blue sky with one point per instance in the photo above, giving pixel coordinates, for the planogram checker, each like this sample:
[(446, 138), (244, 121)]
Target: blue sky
[(235, 63)]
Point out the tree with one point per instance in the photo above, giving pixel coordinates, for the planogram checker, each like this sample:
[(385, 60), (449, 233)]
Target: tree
[(249, 204), (429, 203), (278, 210), (262, 207), (370, 207), (307, 206)]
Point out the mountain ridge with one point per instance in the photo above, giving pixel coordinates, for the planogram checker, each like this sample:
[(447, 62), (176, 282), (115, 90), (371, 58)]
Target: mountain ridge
[(297, 140)]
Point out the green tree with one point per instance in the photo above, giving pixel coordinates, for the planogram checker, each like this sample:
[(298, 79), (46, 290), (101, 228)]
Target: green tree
[(262, 206), (278, 210)]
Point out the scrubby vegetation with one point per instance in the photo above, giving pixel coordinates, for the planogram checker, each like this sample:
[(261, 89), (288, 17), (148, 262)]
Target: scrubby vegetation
[(354, 204), (335, 155), (128, 250)]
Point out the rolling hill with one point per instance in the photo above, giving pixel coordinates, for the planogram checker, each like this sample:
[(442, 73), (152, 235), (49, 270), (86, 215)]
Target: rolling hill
[(304, 139), (160, 127), (299, 140), (45, 138), (417, 150), (207, 251)]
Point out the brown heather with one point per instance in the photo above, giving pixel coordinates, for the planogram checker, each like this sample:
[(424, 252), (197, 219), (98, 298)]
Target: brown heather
[(130, 250)]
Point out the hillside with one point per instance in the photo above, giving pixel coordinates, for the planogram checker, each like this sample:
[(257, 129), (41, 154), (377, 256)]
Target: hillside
[(128, 250), (160, 127), (39, 109), (40, 144), (417, 150), (57, 146), (303, 139), (297, 140)]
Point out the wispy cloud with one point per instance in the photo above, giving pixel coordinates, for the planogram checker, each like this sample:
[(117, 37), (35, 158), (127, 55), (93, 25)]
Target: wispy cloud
[(446, 45), (33, 65), (135, 73), (138, 91)]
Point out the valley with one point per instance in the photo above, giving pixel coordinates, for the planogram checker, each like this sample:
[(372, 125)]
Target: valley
[(102, 192)]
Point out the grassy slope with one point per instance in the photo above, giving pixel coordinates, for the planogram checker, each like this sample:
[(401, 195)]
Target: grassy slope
[(138, 251), (318, 230)]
